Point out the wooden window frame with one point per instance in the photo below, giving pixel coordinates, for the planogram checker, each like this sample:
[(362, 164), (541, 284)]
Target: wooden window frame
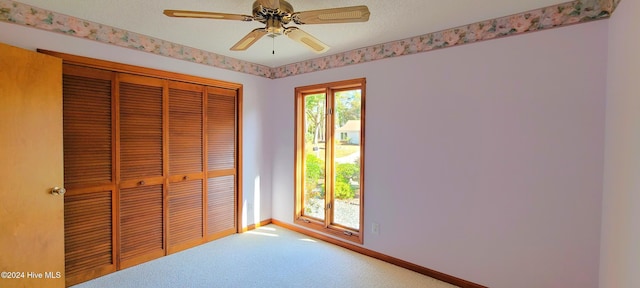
[(326, 226)]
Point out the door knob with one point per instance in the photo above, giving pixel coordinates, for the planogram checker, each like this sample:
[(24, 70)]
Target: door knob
[(58, 191)]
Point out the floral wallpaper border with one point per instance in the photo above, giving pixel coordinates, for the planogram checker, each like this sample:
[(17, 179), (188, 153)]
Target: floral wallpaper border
[(535, 20), (573, 12), (22, 14)]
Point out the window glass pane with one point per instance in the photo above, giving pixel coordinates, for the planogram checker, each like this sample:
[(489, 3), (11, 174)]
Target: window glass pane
[(346, 161), (314, 155)]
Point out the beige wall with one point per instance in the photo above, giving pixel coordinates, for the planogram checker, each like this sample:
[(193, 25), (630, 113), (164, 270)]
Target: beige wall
[(620, 248), (483, 161)]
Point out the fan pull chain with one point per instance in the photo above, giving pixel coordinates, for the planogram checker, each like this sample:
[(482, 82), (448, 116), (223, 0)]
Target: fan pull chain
[(273, 46)]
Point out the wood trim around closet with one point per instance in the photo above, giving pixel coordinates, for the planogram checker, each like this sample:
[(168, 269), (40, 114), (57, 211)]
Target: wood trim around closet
[(142, 71)]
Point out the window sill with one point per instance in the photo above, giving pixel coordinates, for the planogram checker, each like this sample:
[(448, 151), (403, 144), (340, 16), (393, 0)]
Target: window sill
[(336, 231)]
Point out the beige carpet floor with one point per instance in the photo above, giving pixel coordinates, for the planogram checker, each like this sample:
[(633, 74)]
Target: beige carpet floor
[(270, 256)]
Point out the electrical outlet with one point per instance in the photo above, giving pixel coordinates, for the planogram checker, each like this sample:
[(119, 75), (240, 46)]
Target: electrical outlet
[(375, 228)]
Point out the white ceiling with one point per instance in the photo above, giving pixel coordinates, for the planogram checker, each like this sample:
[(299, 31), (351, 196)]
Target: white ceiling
[(389, 21)]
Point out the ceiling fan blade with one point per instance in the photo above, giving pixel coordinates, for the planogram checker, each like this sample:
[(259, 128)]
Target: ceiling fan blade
[(209, 15), (272, 4), (248, 40), (334, 15), (306, 39)]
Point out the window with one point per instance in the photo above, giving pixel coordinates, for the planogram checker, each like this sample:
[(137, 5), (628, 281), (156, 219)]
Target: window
[(329, 158)]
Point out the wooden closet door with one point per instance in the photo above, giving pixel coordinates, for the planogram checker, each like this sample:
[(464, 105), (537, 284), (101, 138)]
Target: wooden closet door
[(31, 223), (186, 166), (141, 166), (221, 162), (88, 173)]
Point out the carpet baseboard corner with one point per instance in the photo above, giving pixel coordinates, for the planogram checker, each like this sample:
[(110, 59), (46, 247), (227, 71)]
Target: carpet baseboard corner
[(377, 255), (255, 226)]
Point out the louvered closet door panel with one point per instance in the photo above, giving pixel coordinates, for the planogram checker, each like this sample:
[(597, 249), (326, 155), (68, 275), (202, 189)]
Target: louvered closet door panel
[(88, 236), (185, 215), (140, 127), (221, 129), (221, 219), (186, 168), (87, 126), (141, 224), (185, 129), (221, 162), (89, 173), (141, 169)]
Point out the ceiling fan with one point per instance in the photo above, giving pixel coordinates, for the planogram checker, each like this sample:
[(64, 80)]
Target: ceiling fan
[(277, 13)]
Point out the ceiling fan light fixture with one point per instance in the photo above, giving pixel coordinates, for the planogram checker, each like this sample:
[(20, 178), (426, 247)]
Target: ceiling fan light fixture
[(274, 27), (275, 14)]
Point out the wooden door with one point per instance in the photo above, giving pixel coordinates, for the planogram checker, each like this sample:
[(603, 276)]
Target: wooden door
[(88, 173), (142, 169), (186, 166), (222, 177), (31, 218)]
